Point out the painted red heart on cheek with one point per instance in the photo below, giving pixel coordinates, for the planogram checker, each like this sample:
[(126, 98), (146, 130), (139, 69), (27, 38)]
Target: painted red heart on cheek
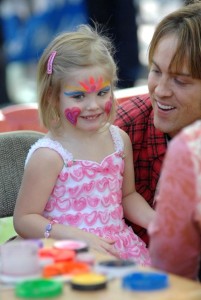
[(72, 114), (108, 106)]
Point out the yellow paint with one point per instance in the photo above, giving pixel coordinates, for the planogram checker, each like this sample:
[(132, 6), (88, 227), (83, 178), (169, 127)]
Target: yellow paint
[(89, 279)]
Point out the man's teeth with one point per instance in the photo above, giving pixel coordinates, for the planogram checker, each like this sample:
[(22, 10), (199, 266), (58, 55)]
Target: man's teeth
[(164, 106)]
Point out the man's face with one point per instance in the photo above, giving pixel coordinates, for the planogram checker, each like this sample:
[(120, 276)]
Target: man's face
[(175, 97)]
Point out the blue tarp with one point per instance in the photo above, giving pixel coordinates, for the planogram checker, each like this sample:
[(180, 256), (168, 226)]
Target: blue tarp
[(25, 39)]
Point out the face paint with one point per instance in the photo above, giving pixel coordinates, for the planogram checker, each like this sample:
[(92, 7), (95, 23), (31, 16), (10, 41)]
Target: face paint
[(88, 86), (72, 114), (108, 106), (71, 94)]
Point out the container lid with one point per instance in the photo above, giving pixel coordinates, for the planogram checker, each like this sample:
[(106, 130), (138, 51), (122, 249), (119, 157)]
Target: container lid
[(145, 281), (77, 246), (89, 282), (57, 255), (117, 263), (115, 267), (65, 268), (86, 257), (38, 288)]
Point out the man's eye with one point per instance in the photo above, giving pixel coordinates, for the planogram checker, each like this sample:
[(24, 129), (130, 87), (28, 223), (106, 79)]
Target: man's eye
[(155, 70), (179, 82)]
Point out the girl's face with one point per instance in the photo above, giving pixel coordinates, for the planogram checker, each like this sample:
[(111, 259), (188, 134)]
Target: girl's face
[(175, 96), (86, 99)]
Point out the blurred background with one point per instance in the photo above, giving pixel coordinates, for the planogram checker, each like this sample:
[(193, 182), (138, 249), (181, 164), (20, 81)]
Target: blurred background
[(27, 26)]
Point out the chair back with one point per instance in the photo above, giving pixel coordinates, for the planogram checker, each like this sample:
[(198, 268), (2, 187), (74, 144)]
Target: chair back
[(21, 117), (4, 126), (14, 147)]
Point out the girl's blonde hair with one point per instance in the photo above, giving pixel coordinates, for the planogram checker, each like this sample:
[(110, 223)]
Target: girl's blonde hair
[(82, 48), (185, 24)]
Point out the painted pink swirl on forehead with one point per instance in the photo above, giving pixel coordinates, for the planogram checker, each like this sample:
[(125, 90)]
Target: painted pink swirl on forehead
[(72, 114), (108, 106)]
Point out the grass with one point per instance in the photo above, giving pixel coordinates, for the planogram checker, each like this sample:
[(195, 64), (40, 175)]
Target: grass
[(6, 229)]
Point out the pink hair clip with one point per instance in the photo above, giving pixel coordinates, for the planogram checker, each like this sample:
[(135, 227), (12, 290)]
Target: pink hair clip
[(50, 62)]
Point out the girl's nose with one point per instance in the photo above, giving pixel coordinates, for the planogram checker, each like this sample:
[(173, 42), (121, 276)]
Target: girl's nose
[(92, 102)]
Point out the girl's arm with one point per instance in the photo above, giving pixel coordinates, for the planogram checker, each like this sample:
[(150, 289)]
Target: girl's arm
[(38, 181), (136, 209)]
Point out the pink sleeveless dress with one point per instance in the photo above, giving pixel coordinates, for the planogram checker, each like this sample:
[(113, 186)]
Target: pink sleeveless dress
[(88, 195)]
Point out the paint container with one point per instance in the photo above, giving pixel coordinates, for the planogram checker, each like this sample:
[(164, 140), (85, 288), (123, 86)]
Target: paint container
[(19, 261), (145, 281), (56, 255), (38, 288), (86, 257), (89, 282), (115, 268), (77, 246), (69, 268)]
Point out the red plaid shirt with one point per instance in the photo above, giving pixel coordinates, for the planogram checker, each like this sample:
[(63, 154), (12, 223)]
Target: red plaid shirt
[(135, 116)]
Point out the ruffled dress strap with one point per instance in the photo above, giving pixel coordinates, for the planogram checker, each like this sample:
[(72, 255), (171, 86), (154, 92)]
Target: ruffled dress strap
[(51, 144), (117, 139)]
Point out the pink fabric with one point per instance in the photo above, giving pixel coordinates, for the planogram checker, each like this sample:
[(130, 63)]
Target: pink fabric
[(88, 195), (175, 238)]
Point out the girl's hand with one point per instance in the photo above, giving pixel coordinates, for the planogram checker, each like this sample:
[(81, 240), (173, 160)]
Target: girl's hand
[(104, 245)]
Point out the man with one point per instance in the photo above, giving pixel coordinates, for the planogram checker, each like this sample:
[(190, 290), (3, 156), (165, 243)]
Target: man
[(174, 83)]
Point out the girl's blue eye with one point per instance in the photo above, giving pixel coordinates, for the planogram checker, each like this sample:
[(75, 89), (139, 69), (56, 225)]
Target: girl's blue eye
[(104, 91), (75, 95), (79, 96)]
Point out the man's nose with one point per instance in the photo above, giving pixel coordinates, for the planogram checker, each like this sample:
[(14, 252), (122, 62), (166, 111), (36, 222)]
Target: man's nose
[(163, 87)]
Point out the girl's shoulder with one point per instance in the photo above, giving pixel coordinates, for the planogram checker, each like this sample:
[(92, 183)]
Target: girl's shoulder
[(119, 133), (118, 137), (49, 143)]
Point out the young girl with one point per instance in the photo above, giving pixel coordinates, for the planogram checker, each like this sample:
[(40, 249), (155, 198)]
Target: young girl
[(78, 176)]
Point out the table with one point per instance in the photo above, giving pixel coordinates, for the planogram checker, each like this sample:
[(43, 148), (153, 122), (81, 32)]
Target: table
[(180, 288)]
